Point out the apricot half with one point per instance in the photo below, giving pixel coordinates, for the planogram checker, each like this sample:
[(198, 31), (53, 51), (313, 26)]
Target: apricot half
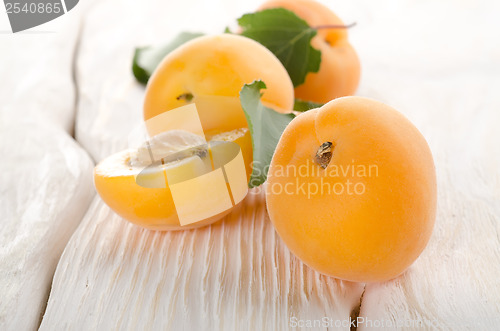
[(352, 190), (210, 72), (340, 68), (175, 181)]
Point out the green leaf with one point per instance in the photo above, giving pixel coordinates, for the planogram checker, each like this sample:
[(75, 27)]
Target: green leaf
[(302, 106), (146, 59), (287, 36), (266, 126)]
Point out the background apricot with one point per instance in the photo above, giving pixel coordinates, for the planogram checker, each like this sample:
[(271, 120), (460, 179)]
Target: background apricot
[(340, 68), (378, 229)]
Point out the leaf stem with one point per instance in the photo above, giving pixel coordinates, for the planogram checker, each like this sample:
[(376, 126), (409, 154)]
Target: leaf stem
[(334, 26)]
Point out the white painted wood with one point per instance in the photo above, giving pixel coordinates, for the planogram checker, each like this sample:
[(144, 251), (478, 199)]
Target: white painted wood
[(436, 62), (45, 176), (235, 275), (46, 187), (448, 92)]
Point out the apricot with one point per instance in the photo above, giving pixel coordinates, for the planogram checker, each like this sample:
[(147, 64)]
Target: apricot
[(352, 190), (339, 71), (210, 72), (176, 180)]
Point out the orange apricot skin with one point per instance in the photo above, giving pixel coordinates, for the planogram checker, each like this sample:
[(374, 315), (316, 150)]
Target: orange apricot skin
[(217, 66), (152, 208), (340, 68), (147, 207), (369, 237), (213, 69)]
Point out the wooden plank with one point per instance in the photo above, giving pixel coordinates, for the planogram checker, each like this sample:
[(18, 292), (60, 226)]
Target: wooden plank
[(46, 189), (45, 176), (234, 275), (237, 274)]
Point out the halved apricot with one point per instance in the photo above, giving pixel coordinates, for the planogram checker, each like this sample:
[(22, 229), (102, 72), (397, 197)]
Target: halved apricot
[(176, 180)]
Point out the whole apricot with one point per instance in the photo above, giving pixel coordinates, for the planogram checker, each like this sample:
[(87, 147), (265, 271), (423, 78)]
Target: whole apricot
[(339, 71), (352, 190), (210, 72)]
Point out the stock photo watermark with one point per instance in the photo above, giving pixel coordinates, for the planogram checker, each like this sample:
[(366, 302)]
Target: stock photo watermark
[(328, 322), (472, 323), (26, 14), (310, 180)]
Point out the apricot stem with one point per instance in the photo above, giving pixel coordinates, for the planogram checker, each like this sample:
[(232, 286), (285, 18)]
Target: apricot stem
[(324, 154), (185, 96), (334, 26)]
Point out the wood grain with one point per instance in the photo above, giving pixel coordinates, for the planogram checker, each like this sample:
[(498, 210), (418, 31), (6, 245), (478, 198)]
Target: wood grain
[(49, 182), (234, 275), (436, 62), (237, 275), (45, 175)]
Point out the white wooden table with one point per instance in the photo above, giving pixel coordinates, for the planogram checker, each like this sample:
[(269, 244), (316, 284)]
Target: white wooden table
[(67, 262)]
